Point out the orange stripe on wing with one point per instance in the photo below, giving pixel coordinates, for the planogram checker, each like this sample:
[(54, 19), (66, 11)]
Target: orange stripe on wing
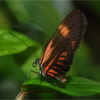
[(52, 71), (50, 74), (61, 58), (46, 68), (59, 63), (56, 67)]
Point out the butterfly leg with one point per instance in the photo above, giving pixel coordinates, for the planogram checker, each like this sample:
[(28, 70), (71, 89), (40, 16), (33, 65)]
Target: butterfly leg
[(29, 74), (55, 84), (40, 78)]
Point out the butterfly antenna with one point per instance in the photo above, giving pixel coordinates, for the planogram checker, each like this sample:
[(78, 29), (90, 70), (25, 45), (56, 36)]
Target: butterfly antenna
[(23, 43), (43, 47)]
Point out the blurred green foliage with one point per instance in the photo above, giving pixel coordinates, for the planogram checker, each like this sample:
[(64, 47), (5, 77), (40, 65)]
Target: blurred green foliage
[(38, 20)]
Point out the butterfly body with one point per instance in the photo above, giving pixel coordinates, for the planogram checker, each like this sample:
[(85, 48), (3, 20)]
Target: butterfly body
[(58, 55)]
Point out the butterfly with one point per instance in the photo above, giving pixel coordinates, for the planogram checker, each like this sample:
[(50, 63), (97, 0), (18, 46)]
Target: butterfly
[(58, 54)]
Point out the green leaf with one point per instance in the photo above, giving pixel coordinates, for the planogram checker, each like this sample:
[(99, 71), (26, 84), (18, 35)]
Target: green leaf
[(75, 86), (11, 45)]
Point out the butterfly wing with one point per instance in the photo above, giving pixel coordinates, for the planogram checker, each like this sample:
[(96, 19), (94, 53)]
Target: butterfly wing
[(59, 52)]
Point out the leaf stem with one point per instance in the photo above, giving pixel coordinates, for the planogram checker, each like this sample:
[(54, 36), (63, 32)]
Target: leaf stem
[(21, 95)]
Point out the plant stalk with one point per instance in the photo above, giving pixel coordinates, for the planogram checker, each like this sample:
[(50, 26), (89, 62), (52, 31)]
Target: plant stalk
[(21, 95)]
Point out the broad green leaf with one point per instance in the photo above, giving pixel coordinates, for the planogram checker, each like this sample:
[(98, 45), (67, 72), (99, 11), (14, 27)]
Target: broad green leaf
[(11, 45), (75, 86)]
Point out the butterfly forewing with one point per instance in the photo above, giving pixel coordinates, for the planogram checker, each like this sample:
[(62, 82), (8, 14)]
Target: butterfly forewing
[(59, 52)]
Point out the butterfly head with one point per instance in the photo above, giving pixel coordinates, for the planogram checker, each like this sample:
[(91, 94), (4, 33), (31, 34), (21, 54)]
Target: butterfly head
[(36, 62)]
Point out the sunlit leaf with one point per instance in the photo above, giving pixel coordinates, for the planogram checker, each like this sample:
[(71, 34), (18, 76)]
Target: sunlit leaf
[(11, 45)]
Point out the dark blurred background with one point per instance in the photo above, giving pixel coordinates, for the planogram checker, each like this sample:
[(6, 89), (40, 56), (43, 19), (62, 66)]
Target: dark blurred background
[(39, 20)]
